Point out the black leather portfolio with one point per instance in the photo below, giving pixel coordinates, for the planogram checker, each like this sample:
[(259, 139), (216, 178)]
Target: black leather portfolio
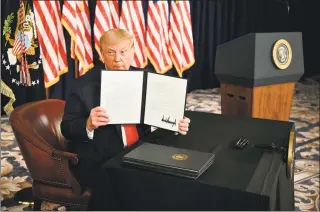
[(169, 160)]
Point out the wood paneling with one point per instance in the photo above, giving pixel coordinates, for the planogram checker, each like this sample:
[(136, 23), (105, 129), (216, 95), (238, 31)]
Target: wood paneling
[(269, 102)]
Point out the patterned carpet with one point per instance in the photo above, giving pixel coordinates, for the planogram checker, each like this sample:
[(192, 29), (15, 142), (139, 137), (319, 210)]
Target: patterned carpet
[(305, 113)]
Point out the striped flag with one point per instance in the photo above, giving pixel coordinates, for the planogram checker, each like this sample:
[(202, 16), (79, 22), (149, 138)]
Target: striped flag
[(76, 20), (106, 18), (132, 19), (19, 45), (158, 36), (180, 36), (51, 40)]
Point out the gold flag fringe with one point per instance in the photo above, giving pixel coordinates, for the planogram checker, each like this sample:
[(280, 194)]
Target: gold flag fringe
[(5, 90)]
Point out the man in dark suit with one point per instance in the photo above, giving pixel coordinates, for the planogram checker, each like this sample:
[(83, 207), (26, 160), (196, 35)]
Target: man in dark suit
[(85, 123)]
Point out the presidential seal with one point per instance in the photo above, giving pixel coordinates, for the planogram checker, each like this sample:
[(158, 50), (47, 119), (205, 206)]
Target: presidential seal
[(180, 157), (282, 54), (290, 156)]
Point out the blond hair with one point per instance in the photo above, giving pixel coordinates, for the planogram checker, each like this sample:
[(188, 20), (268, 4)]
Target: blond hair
[(114, 36)]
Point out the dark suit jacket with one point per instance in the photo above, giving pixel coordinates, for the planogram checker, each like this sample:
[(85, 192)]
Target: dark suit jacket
[(107, 142)]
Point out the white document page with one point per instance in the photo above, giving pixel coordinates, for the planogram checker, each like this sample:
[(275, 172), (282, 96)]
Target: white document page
[(121, 96), (165, 101)]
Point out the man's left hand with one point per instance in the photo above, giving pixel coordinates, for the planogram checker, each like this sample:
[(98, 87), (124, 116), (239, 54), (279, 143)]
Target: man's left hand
[(184, 126)]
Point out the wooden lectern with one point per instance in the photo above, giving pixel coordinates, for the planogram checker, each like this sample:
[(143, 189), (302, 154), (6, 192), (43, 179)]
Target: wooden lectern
[(258, 73)]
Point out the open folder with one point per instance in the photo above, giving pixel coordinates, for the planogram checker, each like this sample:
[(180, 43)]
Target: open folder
[(141, 97)]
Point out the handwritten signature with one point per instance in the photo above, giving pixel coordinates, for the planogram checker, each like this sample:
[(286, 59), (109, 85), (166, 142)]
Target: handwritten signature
[(167, 120)]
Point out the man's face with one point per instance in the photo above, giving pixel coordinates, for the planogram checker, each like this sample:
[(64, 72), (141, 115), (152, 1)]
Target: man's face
[(118, 55)]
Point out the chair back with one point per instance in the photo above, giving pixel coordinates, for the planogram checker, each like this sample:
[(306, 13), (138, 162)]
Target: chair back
[(36, 126), (42, 118)]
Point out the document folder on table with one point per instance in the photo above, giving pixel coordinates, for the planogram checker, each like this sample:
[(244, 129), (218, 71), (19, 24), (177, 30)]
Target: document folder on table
[(169, 160)]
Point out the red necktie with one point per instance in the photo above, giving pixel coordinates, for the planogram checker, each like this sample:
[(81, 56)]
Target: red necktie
[(131, 133)]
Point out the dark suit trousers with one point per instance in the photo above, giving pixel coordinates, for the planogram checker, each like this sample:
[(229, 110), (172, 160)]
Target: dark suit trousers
[(93, 176)]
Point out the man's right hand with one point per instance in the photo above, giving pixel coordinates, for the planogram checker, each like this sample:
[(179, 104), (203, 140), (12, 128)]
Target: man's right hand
[(98, 117)]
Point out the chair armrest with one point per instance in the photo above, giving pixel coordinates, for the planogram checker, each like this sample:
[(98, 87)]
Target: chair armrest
[(66, 155)]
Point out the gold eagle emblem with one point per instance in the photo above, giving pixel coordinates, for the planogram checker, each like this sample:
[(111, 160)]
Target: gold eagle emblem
[(180, 157)]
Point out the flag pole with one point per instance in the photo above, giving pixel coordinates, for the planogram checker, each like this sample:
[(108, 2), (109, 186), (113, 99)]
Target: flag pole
[(47, 93), (76, 68)]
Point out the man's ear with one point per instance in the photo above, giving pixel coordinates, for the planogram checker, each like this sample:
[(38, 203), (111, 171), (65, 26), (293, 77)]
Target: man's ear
[(102, 55), (101, 51)]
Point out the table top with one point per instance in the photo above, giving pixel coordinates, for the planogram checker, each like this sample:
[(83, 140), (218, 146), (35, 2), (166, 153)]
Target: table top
[(249, 170)]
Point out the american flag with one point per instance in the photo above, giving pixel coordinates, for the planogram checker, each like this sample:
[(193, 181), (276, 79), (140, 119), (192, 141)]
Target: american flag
[(76, 20), (106, 17), (19, 45), (132, 19), (180, 36), (51, 40), (158, 36), (20, 42)]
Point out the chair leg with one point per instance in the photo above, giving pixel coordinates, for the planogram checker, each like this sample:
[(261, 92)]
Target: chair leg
[(37, 204)]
